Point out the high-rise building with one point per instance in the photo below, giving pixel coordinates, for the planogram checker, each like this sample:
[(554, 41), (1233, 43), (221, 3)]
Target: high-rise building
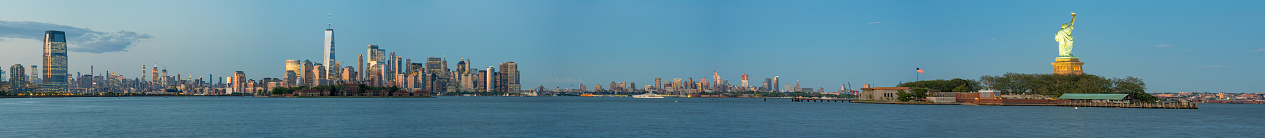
[(744, 80), (677, 84), (153, 71), (55, 76), (329, 49), (306, 75), (348, 73), (658, 83), (239, 82), (797, 88), (509, 78), (17, 78), (143, 69), (490, 79), (776, 87), (768, 84), (293, 67), (360, 63), (319, 70), (715, 80), (374, 58)]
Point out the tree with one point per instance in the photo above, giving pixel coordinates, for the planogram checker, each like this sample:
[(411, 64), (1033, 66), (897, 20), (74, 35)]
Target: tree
[(1134, 87), (919, 94), (944, 85), (961, 88), (901, 95)]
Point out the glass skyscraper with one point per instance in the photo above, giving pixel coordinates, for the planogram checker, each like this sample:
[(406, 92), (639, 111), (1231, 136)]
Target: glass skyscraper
[(329, 52), (55, 62)]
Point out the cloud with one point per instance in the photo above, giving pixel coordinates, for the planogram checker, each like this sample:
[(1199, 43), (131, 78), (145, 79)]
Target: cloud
[(1164, 45), (990, 39), (80, 39), (1187, 49), (1214, 66), (1259, 50), (875, 22)]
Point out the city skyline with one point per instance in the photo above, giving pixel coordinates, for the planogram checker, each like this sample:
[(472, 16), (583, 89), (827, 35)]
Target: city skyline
[(624, 42)]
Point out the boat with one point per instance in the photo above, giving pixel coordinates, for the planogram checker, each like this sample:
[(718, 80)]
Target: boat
[(647, 95)]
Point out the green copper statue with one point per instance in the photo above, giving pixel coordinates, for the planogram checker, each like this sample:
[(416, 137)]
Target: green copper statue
[(1064, 37)]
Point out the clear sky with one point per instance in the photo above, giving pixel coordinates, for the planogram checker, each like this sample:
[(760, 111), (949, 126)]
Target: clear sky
[(1206, 46)]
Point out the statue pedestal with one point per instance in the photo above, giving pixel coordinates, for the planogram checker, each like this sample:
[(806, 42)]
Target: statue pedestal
[(1067, 65)]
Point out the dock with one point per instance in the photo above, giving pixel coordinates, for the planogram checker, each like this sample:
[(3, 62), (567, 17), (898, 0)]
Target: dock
[(840, 100)]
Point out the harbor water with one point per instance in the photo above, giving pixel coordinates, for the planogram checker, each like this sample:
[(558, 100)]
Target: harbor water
[(597, 117)]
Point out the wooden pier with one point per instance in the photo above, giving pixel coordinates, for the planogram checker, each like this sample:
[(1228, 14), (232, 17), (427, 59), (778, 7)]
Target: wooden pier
[(1165, 105), (841, 100)]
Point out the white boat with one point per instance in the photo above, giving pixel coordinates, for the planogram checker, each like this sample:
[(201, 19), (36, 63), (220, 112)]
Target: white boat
[(647, 95)]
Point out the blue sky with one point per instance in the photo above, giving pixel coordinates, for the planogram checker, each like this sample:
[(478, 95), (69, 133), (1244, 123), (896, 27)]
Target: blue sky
[(1206, 46)]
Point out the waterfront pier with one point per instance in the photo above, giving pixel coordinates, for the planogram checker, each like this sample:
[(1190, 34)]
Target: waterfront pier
[(841, 100)]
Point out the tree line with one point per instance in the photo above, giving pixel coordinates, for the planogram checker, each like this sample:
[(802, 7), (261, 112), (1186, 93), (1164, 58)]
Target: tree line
[(954, 85), (1055, 85)]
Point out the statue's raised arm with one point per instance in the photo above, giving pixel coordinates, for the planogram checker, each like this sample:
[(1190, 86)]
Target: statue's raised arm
[(1073, 19)]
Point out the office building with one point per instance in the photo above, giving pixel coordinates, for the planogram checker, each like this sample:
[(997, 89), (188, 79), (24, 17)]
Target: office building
[(239, 82), (776, 87), (55, 76), (509, 77), (329, 50), (17, 79), (490, 79)]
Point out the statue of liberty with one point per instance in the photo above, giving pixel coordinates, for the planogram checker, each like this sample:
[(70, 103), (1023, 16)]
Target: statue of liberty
[(1064, 37)]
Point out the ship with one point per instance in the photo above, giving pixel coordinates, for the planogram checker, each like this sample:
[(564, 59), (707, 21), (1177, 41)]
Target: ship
[(647, 95)]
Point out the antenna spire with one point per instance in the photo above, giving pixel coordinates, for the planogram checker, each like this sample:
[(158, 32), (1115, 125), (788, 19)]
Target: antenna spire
[(329, 22)]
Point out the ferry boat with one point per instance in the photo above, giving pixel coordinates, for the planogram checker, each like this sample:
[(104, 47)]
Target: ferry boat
[(647, 95)]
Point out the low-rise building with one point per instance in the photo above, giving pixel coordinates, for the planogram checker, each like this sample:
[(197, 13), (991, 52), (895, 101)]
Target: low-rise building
[(881, 93)]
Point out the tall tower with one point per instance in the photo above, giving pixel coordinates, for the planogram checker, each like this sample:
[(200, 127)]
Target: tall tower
[(488, 81), (360, 64), (715, 79), (776, 86), (744, 79), (329, 47), (55, 62)]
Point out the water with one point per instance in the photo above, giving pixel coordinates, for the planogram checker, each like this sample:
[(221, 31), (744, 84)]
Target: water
[(596, 117)]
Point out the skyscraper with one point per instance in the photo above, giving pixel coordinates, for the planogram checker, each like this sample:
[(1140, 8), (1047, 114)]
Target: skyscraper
[(776, 87), (329, 49), (239, 82), (17, 78), (744, 80), (715, 80), (293, 67), (307, 78), (55, 62), (509, 70), (658, 83), (360, 63), (489, 80)]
